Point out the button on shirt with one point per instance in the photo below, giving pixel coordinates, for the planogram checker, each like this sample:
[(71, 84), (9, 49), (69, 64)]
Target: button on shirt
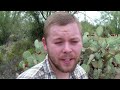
[(43, 71)]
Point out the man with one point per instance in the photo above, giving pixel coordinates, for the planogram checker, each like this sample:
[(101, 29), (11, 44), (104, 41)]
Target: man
[(63, 42)]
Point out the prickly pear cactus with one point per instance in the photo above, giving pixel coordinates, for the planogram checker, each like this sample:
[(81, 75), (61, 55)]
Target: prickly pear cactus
[(29, 59), (101, 55)]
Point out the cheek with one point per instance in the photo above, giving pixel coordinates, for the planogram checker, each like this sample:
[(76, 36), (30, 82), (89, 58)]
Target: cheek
[(77, 49), (53, 49)]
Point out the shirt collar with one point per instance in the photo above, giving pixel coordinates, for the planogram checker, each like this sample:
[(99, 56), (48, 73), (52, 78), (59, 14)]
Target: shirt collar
[(48, 70)]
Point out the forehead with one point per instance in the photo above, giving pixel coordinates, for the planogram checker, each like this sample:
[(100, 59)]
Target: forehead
[(70, 30)]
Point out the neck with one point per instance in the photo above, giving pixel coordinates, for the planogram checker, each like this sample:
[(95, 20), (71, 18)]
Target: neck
[(61, 75)]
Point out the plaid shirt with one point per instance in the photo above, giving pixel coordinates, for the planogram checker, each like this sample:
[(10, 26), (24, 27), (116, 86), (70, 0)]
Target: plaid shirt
[(43, 71)]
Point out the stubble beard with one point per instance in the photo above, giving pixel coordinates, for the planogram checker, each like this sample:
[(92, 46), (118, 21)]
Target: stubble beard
[(61, 69)]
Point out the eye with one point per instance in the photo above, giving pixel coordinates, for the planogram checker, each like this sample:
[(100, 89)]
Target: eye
[(58, 42), (74, 41)]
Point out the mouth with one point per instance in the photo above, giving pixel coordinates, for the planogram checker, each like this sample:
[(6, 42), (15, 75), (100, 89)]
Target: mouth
[(67, 60)]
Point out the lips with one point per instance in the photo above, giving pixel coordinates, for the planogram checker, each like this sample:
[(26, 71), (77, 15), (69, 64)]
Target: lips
[(67, 60)]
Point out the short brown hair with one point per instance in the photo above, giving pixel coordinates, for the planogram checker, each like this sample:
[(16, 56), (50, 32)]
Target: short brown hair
[(60, 18)]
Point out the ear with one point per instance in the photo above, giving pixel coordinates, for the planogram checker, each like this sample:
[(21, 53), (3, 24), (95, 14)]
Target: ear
[(44, 43)]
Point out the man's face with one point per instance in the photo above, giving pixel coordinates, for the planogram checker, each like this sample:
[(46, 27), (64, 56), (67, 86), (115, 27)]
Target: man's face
[(63, 44)]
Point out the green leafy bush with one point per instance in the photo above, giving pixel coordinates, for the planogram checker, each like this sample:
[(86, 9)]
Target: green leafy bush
[(1, 57), (13, 37), (22, 46), (37, 31)]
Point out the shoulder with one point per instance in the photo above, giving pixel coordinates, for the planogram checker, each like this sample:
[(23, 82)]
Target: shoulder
[(80, 72), (80, 69), (32, 72)]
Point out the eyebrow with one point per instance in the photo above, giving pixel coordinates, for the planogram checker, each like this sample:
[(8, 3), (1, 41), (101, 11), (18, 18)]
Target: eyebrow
[(73, 38), (58, 39)]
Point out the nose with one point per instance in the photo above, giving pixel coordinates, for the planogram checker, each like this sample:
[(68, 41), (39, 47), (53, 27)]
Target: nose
[(67, 48)]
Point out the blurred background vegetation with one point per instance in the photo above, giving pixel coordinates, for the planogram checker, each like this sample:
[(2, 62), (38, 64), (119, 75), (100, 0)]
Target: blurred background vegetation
[(20, 29)]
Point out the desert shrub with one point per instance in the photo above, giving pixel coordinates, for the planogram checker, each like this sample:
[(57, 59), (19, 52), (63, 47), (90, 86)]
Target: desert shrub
[(22, 46), (4, 35), (13, 38), (1, 57), (37, 32)]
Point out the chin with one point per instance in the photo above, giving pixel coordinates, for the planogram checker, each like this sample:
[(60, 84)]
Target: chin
[(67, 70)]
